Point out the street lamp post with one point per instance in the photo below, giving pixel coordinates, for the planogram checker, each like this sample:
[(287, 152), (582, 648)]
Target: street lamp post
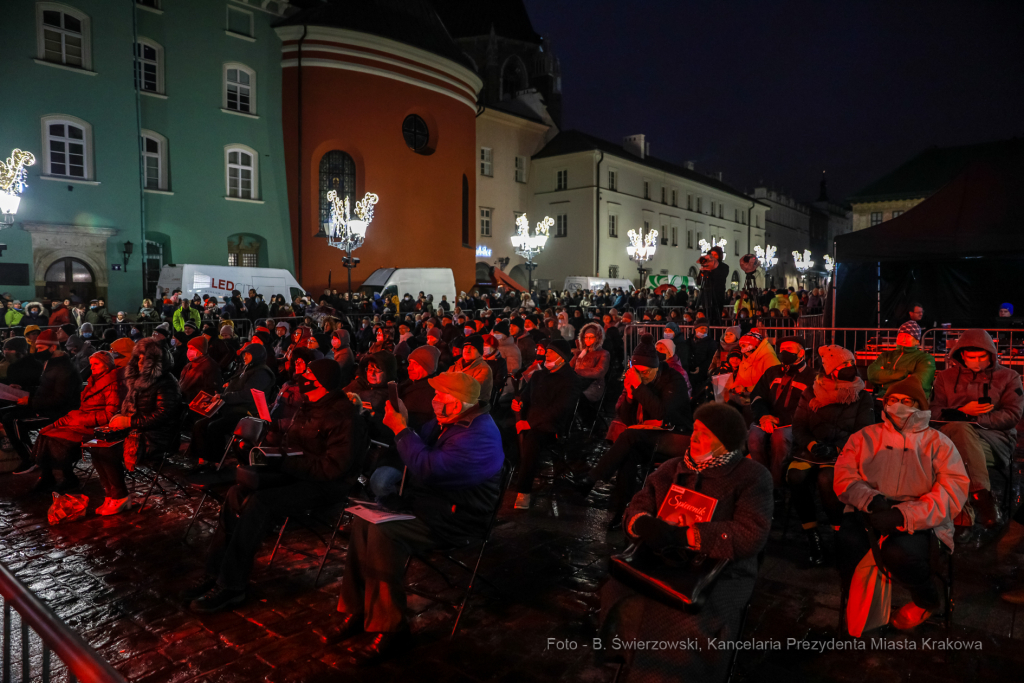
[(641, 249), (347, 233), (528, 246), (12, 183)]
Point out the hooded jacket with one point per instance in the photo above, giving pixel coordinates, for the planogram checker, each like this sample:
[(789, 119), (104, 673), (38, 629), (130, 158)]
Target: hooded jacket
[(565, 328), (345, 356), (479, 370), (592, 365), (255, 375), (892, 366), (332, 438), (100, 401), (153, 399), (752, 367), (201, 374), (917, 466), (828, 413), (958, 385), (509, 350), (59, 388), (779, 390)]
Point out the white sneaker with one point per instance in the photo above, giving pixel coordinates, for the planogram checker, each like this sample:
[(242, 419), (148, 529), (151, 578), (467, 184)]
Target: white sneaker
[(117, 505), (103, 506), (522, 501)]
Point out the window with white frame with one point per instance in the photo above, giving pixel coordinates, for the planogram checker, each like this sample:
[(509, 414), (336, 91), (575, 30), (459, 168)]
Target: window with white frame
[(520, 169), (562, 180), (897, 213), (241, 166), (240, 22), (612, 180), (664, 234), (486, 162), (485, 222), (62, 35), (68, 145), (876, 217), (149, 68), (153, 148), (613, 225), (239, 88), (562, 225)]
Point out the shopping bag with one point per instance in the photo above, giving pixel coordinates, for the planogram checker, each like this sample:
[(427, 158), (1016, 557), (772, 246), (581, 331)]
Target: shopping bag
[(67, 507), (9, 458), (870, 597), (719, 382)]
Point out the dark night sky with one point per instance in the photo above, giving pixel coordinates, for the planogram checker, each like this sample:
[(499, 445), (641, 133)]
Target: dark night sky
[(780, 90)]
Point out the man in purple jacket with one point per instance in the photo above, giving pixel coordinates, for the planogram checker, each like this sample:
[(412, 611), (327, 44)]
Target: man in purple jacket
[(452, 485)]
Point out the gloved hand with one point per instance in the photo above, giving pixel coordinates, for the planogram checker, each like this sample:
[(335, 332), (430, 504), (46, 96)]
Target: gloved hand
[(886, 521), (879, 503), (659, 534), (824, 452)]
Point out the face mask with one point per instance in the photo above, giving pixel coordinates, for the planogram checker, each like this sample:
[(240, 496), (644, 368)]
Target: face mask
[(306, 385), (701, 335), (43, 356), (87, 335), (552, 365), (669, 334), (335, 342), (174, 342), (977, 365), (788, 357), (444, 410), (746, 349), (847, 374), (488, 350), (899, 413), (498, 336), (192, 354), (704, 457), (93, 308)]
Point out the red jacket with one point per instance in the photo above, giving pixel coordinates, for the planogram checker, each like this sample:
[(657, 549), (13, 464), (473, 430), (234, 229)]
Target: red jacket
[(202, 374), (61, 316), (101, 400)]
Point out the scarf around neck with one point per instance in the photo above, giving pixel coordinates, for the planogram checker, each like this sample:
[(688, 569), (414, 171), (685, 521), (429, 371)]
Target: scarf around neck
[(828, 391), (716, 461)]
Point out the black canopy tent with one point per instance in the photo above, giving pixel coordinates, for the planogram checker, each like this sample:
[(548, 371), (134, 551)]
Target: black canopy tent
[(959, 253)]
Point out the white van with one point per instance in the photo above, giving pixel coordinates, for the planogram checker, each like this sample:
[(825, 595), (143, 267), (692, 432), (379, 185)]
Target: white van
[(574, 283), (398, 282), (220, 281)]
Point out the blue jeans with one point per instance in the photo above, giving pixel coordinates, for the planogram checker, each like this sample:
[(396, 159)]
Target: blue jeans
[(385, 481)]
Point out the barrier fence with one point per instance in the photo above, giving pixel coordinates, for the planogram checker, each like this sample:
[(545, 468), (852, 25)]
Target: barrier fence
[(32, 634)]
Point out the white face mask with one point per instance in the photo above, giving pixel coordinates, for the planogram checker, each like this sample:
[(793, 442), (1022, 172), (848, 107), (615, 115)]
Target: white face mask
[(669, 334), (552, 365), (703, 457), (488, 350), (900, 413), (498, 336), (701, 335)]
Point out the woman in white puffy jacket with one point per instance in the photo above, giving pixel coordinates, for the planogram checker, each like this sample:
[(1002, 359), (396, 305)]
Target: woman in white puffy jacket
[(567, 331)]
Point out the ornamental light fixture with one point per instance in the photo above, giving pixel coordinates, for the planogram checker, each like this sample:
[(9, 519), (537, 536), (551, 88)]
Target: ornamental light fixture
[(347, 233), (706, 246), (12, 183), (803, 262), (641, 249), (830, 265), (766, 256), (529, 246)]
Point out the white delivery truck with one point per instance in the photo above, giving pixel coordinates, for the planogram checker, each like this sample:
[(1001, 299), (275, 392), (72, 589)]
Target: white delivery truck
[(389, 282), (574, 283), (220, 281)]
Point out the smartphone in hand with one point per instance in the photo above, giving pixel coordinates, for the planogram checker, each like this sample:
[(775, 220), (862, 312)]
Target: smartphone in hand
[(393, 396)]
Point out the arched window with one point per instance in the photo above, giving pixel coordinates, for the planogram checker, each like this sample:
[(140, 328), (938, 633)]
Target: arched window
[(242, 166), (149, 66), (465, 210), (239, 88), (62, 35), (154, 160), (513, 77), (68, 144), (69, 275), (338, 173)]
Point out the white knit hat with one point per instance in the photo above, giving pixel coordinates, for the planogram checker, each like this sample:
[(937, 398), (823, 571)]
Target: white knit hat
[(832, 356)]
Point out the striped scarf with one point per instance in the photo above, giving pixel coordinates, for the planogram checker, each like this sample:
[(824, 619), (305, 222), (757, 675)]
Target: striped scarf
[(716, 461)]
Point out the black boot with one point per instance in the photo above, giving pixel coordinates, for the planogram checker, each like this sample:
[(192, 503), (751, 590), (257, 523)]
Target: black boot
[(577, 487), (817, 554), (985, 511)]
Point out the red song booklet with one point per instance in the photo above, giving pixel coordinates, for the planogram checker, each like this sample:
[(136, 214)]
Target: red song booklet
[(684, 507)]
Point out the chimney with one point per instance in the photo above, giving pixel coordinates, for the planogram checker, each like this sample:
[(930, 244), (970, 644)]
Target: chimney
[(635, 144), (717, 175), (689, 165)]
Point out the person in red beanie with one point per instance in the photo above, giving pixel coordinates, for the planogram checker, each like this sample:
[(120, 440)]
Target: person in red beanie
[(201, 373)]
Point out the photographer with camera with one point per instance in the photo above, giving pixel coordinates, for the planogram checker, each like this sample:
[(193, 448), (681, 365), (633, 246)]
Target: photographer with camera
[(714, 276)]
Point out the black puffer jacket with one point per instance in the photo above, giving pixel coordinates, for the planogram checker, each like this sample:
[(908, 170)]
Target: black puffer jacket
[(842, 409), (779, 390), (154, 400), (665, 399), (332, 437), (59, 389), (549, 399), (255, 375)]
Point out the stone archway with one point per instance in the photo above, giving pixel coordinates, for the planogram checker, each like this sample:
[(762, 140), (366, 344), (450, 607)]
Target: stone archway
[(51, 243)]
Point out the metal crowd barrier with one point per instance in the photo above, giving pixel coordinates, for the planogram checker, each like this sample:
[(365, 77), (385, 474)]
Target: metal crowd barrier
[(32, 658)]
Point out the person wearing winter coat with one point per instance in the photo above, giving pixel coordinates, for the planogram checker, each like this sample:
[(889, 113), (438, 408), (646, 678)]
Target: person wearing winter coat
[(35, 316), (371, 386), (492, 356), (472, 363), (416, 392), (566, 329), (343, 354), (508, 347), (666, 349), (830, 410), (905, 360), (454, 470), (773, 402), (80, 351), (758, 356), (544, 410), (14, 314), (982, 402), (59, 315), (56, 394), (699, 355), (910, 482), (151, 410), (202, 373), (591, 361), (59, 445), (97, 314), (653, 412), (186, 312), (325, 447), (738, 531)]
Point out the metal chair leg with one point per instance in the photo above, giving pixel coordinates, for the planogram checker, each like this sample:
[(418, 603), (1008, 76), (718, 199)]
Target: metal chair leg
[(152, 484), (949, 594), (469, 589), (327, 550), (278, 544), (195, 515)]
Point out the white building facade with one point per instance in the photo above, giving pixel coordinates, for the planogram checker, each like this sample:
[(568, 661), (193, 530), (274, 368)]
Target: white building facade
[(789, 230)]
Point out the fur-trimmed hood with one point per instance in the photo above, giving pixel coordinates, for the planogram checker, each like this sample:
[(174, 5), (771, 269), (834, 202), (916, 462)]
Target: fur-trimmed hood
[(597, 329), (150, 361)]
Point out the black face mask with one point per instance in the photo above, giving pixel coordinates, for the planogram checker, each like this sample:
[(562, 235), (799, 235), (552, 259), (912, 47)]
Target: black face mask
[(306, 385), (788, 357), (847, 374), (43, 356)]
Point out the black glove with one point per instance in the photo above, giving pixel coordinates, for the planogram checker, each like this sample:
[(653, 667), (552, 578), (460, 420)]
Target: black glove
[(879, 503), (824, 452), (659, 534), (886, 521)]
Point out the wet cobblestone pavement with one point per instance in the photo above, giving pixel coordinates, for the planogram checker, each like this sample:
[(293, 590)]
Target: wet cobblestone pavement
[(114, 580)]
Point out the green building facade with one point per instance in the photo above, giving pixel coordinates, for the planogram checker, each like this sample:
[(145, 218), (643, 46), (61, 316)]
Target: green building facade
[(175, 146)]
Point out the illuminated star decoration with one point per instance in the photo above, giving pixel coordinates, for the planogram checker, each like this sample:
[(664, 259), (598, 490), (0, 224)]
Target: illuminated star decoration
[(642, 247), (766, 256), (803, 262), (705, 246)]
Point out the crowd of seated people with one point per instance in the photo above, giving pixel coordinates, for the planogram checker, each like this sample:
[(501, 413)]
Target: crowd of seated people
[(894, 451)]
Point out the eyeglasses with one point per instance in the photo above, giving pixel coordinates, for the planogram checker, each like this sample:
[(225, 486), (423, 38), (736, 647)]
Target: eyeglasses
[(905, 401)]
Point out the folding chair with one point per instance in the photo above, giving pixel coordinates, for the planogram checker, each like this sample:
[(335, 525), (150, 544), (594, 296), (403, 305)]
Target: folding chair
[(163, 458), (507, 471), (250, 430)]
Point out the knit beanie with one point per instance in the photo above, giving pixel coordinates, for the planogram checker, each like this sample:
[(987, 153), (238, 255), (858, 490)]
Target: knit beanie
[(477, 342), (668, 345), (192, 323), (725, 422), (561, 347), (832, 356), (501, 328), (645, 354), (911, 386), (489, 340), (458, 384), (69, 329), (307, 355), (285, 325), (16, 344), (794, 340), (755, 336), (31, 328), (74, 343), (426, 356), (199, 343), (434, 333), (47, 337), (104, 357), (123, 347), (912, 328), (228, 330), (86, 327), (162, 328), (328, 372)]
